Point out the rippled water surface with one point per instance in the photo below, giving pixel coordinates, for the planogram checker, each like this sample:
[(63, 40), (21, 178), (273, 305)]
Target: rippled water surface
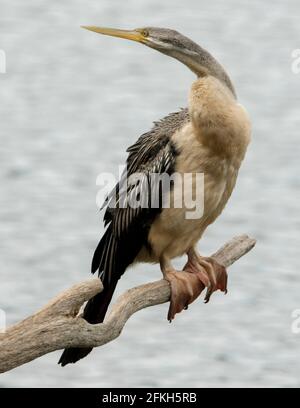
[(71, 102)]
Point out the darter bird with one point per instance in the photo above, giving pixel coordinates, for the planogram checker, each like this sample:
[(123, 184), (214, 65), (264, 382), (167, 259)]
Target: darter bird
[(209, 137)]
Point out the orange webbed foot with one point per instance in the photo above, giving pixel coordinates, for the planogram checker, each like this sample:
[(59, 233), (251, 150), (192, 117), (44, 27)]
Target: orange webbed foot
[(186, 285), (185, 288), (212, 274)]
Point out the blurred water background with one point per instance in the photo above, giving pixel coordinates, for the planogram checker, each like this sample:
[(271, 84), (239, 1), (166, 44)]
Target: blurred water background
[(71, 102)]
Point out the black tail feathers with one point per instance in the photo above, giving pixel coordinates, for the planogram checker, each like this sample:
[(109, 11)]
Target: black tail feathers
[(111, 258), (94, 312)]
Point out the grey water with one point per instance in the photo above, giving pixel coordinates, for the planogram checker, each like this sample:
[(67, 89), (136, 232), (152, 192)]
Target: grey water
[(71, 102)]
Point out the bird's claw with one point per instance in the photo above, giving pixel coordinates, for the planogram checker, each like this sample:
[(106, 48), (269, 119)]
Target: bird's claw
[(210, 289), (211, 273), (185, 288), (188, 284)]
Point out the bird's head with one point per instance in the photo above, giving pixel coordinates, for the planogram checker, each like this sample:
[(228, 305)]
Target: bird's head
[(174, 44)]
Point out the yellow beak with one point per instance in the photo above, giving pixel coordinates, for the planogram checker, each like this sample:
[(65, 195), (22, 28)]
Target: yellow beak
[(127, 34)]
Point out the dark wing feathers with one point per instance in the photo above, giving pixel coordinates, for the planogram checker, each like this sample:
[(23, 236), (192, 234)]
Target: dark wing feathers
[(127, 228)]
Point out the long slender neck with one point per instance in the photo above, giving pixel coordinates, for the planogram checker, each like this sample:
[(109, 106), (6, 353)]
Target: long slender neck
[(202, 63)]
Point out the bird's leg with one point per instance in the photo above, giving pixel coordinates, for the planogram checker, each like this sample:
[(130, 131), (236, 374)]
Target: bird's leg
[(185, 287), (212, 274)]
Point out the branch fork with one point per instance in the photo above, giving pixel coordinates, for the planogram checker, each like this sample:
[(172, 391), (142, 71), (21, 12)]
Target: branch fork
[(58, 325)]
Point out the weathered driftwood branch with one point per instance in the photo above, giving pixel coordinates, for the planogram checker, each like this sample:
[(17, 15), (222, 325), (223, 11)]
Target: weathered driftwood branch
[(58, 325)]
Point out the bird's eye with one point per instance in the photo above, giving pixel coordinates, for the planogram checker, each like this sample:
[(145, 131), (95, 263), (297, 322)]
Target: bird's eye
[(145, 33)]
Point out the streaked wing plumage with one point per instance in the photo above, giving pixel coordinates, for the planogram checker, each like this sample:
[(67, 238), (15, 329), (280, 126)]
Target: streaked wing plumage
[(127, 228)]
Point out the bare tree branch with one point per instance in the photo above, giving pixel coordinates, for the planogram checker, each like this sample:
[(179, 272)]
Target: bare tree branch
[(58, 325)]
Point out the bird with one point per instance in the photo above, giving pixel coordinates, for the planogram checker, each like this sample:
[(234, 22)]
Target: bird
[(209, 137)]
